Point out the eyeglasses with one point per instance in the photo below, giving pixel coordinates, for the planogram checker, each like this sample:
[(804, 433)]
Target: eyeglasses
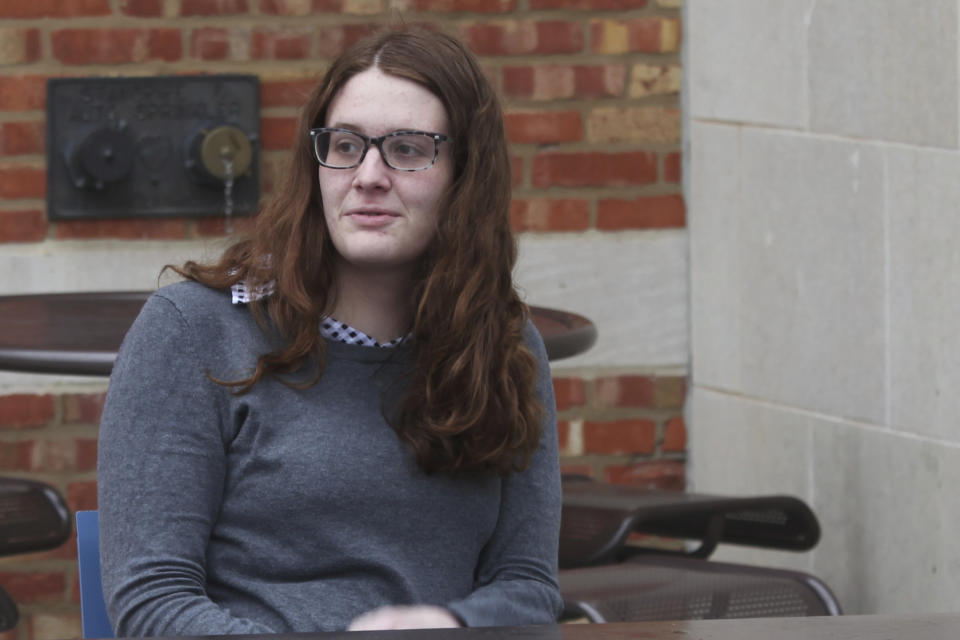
[(400, 150)]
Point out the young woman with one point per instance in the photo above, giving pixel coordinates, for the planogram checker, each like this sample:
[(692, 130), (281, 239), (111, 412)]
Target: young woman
[(348, 420)]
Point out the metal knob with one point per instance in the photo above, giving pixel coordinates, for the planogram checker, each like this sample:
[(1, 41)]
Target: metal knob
[(226, 145)]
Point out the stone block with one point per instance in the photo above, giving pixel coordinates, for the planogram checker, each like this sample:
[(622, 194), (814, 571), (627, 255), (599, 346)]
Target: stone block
[(887, 74), (746, 61), (812, 287)]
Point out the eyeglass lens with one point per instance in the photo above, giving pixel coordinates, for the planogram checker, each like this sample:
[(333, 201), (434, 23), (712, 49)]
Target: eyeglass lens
[(344, 149)]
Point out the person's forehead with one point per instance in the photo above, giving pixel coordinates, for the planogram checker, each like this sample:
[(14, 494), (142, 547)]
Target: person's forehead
[(380, 103)]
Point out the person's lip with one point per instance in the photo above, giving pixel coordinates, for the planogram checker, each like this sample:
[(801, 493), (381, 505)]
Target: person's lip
[(371, 212), (371, 217)]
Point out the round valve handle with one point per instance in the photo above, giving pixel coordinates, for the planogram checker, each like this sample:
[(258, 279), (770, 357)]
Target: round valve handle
[(224, 143)]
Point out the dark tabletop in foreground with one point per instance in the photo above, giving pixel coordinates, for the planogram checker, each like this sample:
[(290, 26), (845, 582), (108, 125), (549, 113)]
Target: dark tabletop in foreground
[(899, 627)]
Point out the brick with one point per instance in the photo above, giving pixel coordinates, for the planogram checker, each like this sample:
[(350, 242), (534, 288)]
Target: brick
[(164, 44), (633, 436), (86, 459), (115, 46), (22, 93), (552, 82), (83, 408), (161, 229), (34, 587), (656, 392), (542, 214), (669, 475), (647, 125), (672, 167), (53, 8), (23, 226), (518, 81), (543, 127), (670, 4), (599, 81), (563, 434), (286, 7), (15, 456), (639, 35), (632, 168), (82, 496), (588, 5), (286, 44), (210, 43), (61, 455), (472, 6), (524, 38), (277, 133), (26, 410), (75, 589), (653, 80), (22, 182), (213, 7), (332, 40), (286, 93), (624, 391), (653, 212), (19, 138), (19, 46), (671, 392), (674, 436), (142, 8), (569, 392)]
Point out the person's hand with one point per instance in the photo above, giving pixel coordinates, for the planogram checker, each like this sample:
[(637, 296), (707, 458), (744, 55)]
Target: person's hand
[(410, 617)]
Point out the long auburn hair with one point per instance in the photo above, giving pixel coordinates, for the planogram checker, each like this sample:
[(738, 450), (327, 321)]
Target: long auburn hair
[(471, 403)]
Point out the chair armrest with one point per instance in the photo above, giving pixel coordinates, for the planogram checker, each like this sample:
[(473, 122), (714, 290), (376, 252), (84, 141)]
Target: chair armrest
[(598, 518), (33, 517)]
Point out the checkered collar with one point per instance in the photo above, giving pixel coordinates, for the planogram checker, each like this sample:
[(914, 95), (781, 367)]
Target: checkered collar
[(330, 328)]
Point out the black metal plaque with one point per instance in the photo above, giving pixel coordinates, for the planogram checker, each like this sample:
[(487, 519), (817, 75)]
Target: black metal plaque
[(183, 146)]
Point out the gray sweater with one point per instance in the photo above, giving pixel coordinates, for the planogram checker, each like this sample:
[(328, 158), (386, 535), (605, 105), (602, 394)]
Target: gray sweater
[(286, 510)]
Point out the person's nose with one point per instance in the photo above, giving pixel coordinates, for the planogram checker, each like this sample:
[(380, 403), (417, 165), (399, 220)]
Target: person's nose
[(373, 172)]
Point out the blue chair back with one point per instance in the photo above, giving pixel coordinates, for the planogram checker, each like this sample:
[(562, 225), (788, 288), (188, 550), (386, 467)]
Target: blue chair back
[(93, 609)]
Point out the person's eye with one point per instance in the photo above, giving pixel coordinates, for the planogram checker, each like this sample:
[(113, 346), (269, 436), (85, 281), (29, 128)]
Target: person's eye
[(410, 148), (347, 146)]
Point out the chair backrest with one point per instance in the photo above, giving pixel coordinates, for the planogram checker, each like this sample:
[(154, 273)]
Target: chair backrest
[(93, 609)]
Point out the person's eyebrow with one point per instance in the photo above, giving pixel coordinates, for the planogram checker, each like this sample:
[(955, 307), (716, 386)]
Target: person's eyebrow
[(346, 125)]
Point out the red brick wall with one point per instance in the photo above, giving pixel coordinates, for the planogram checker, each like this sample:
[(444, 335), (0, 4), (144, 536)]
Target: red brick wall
[(591, 94)]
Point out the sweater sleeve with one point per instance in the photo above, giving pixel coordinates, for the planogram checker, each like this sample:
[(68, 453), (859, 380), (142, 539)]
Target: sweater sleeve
[(161, 473), (516, 578)]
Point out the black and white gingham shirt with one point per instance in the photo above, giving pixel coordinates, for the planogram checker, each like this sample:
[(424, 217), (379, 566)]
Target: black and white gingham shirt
[(330, 328)]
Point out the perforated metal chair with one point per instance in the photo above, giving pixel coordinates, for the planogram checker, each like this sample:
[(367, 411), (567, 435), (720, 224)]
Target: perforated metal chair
[(609, 576), (33, 517)]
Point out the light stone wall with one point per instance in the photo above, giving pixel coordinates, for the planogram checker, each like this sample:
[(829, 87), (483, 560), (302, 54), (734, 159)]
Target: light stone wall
[(823, 159)]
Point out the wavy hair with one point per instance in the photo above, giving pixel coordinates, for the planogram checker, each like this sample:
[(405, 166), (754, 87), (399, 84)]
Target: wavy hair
[(471, 403)]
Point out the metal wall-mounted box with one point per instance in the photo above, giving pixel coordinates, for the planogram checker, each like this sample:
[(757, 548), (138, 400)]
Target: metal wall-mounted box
[(162, 146)]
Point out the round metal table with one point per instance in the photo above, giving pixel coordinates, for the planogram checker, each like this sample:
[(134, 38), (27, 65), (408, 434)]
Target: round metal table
[(79, 333)]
